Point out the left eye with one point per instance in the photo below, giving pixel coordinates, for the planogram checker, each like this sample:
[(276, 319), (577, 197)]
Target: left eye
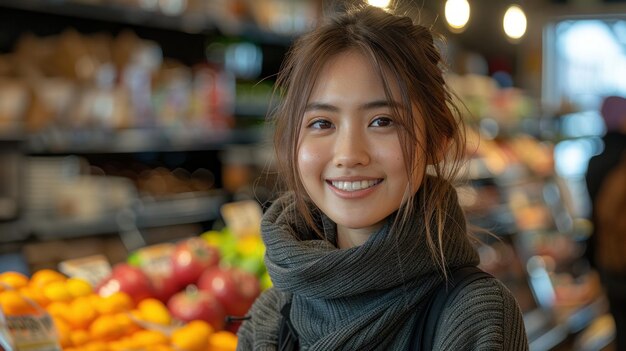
[(381, 122)]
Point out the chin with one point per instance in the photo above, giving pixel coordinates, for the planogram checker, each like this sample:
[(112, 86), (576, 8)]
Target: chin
[(355, 225)]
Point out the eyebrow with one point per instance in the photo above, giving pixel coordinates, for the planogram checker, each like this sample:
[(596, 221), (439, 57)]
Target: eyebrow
[(367, 106)]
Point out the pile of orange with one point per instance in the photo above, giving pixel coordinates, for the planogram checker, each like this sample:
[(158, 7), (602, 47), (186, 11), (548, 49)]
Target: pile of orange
[(85, 321)]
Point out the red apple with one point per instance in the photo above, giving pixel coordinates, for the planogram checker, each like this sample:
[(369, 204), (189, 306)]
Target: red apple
[(193, 304), (165, 286), (191, 257), (234, 288), (129, 279)]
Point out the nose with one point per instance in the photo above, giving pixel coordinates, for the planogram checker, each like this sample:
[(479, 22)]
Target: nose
[(351, 150)]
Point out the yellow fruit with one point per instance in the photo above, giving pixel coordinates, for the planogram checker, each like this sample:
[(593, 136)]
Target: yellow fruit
[(35, 294), (223, 341), (14, 304), (79, 337), (192, 337), (123, 344), (57, 291), (115, 303), (58, 309), (44, 277), (154, 311), (105, 327), (250, 245), (212, 237), (96, 346), (160, 347), (81, 313), (144, 338), (63, 332), (126, 322), (14, 280), (78, 287)]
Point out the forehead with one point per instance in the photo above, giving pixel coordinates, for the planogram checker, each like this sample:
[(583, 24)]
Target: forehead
[(352, 72)]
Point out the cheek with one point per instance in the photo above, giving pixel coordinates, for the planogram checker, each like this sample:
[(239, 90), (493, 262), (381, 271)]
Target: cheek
[(308, 160)]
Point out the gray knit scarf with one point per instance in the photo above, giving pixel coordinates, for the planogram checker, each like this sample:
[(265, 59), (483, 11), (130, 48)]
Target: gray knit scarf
[(365, 297)]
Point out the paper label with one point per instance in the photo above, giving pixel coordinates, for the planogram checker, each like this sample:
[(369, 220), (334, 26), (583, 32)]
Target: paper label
[(28, 332), (156, 259), (243, 217), (91, 268)]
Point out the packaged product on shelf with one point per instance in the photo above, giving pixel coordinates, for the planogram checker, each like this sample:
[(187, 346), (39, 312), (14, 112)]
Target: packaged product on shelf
[(213, 99), (172, 94), (13, 103)]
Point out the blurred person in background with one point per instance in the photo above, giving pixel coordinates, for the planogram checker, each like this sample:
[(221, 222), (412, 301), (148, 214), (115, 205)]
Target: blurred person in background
[(606, 183)]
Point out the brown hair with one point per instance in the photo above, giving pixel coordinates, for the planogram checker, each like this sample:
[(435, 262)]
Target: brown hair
[(404, 52)]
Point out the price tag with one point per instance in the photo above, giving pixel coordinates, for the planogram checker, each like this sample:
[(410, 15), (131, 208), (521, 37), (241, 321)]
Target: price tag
[(91, 268), (243, 217), (28, 332), (33, 333), (156, 259), (6, 340)]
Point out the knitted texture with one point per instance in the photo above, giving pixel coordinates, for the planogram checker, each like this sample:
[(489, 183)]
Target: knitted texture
[(368, 297)]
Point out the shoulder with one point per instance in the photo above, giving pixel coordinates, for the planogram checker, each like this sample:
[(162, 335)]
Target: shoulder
[(483, 316), (261, 330)]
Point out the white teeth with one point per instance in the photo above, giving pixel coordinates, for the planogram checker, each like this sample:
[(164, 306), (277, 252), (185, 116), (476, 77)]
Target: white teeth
[(353, 186)]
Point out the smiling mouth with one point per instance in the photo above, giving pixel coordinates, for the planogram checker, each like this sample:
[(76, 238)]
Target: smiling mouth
[(354, 186)]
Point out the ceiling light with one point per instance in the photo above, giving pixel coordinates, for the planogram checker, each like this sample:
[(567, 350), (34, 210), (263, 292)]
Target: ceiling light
[(457, 14), (514, 22)]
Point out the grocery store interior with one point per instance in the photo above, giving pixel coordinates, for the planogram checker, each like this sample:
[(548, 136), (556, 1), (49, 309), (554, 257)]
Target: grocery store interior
[(131, 127)]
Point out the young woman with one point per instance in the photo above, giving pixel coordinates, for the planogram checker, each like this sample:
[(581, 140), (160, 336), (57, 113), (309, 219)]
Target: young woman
[(366, 232)]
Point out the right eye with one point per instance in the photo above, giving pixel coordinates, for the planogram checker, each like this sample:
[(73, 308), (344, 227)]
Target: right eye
[(320, 124)]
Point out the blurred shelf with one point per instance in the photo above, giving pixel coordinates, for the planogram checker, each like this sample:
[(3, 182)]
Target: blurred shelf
[(181, 209), (138, 140), (582, 317), (113, 13), (47, 229), (178, 209), (550, 339), (251, 110), (11, 137), (188, 22), (12, 231)]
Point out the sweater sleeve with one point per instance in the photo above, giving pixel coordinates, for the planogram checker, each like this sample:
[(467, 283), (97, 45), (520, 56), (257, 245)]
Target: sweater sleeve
[(260, 332), (484, 316)]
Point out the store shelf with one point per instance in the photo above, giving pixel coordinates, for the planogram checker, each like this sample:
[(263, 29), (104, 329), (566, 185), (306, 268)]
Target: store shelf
[(550, 339), (12, 231), (11, 137), (148, 213), (185, 208), (584, 316), (138, 140), (190, 22), (112, 13)]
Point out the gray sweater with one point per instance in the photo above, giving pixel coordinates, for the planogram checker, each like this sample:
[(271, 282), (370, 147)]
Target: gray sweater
[(369, 297), (483, 317)]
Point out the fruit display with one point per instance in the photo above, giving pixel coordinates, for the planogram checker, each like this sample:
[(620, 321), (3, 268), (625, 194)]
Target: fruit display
[(169, 296), (81, 319)]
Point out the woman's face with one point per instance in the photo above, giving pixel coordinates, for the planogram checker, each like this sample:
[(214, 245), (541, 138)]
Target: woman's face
[(349, 157)]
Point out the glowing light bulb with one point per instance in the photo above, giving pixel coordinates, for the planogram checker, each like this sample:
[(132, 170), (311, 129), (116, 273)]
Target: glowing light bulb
[(457, 13), (379, 3), (514, 22)]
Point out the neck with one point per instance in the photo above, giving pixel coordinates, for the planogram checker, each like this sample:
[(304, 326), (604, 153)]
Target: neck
[(349, 237)]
